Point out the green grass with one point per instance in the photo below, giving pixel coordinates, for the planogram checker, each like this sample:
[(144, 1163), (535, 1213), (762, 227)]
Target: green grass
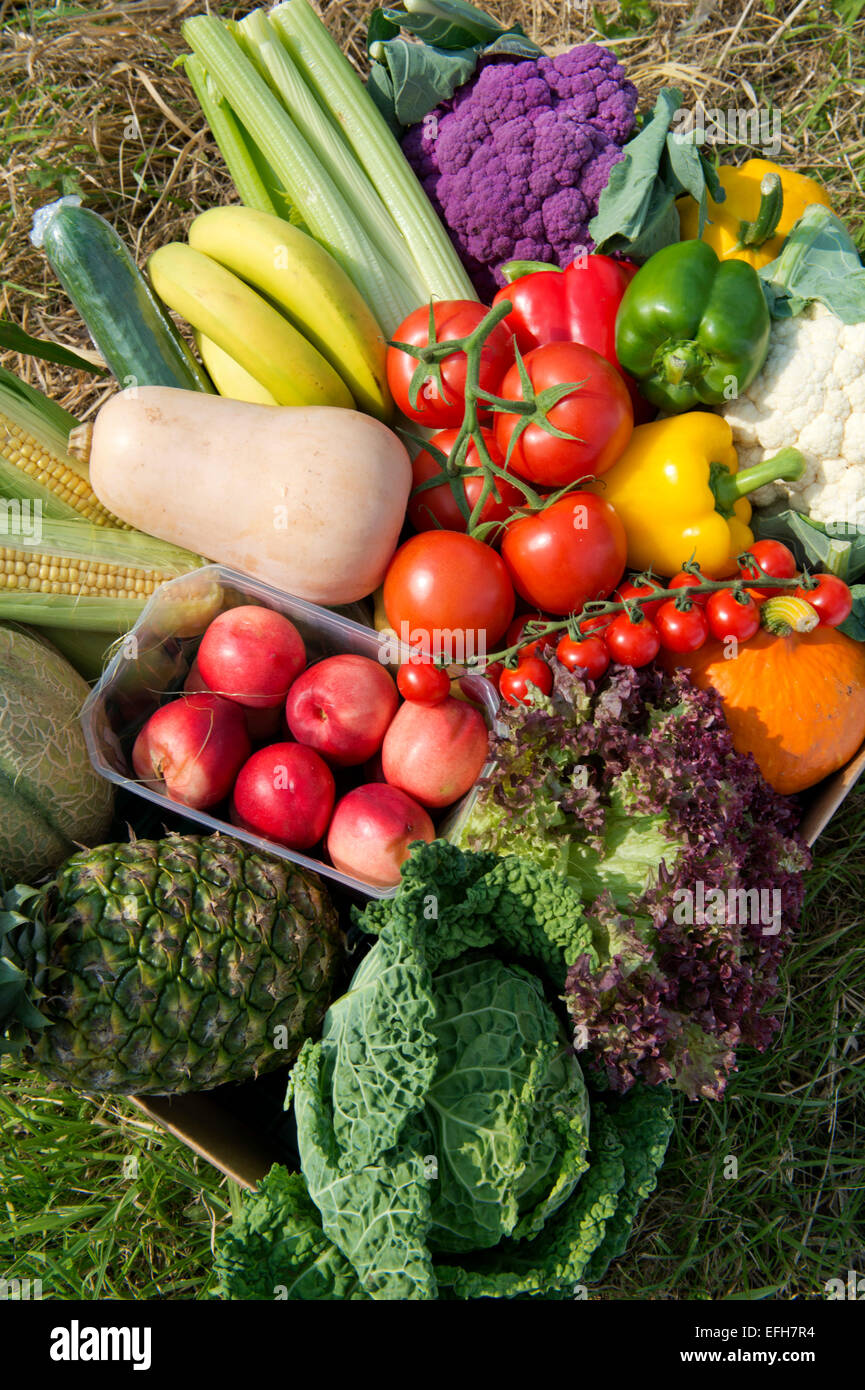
[(97, 1203)]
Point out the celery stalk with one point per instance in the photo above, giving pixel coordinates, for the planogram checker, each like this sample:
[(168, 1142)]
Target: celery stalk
[(307, 184), (226, 132), (340, 91), (262, 45), (251, 174)]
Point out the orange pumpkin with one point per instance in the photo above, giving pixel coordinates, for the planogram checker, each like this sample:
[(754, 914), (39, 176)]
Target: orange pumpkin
[(797, 703)]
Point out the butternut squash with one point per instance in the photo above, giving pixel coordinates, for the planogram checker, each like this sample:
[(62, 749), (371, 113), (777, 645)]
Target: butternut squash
[(311, 499)]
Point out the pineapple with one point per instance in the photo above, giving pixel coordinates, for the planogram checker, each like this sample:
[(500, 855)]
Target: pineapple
[(166, 965)]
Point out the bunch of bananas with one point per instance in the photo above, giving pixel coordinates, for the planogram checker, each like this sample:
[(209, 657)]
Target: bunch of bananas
[(276, 319)]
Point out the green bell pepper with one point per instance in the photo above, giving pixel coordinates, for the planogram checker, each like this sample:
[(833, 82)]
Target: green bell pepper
[(692, 329)]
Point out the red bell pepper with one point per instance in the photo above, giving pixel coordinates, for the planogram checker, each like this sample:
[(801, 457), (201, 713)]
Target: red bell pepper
[(577, 305)]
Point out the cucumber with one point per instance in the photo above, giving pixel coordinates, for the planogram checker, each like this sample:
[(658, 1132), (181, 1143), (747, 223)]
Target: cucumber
[(125, 319)]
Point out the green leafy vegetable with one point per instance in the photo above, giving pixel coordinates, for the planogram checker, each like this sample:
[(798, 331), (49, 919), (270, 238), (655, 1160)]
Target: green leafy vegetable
[(411, 76), (637, 212), (275, 1248), (837, 547), (687, 864), (818, 260), (449, 1143)]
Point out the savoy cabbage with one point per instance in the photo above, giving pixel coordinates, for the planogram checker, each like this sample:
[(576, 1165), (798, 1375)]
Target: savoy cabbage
[(450, 1146)]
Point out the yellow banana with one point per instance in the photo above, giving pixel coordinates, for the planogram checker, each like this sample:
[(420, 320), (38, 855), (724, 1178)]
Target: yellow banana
[(303, 279), (244, 325), (227, 375)]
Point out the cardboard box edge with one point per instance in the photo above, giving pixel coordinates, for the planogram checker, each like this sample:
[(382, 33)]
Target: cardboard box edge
[(199, 1122)]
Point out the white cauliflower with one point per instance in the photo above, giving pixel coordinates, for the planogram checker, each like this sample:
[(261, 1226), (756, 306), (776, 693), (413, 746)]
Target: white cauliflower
[(810, 394)]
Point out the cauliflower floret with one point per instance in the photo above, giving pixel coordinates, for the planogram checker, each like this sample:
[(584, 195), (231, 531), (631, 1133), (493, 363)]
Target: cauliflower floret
[(811, 395), (515, 162)]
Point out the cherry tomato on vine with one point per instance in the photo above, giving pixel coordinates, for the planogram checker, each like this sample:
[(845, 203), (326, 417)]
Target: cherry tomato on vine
[(630, 643), (422, 682), (597, 414), (436, 507), (493, 672), (776, 560), (831, 598), (590, 656), (681, 630), (686, 580), (572, 551), (597, 625), (729, 618), (454, 318), (516, 629), (629, 589), (448, 594), (514, 684)]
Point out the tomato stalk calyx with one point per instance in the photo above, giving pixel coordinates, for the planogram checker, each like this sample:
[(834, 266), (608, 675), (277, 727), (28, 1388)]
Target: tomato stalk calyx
[(536, 631)]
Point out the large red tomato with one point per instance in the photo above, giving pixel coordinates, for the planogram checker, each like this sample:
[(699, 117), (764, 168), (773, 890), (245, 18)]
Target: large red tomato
[(449, 594), (437, 506), (573, 551), (597, 414), (454, 318)]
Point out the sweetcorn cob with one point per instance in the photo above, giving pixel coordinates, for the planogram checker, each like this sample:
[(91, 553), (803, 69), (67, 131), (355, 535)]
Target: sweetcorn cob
[(65, 560), (46, 470)]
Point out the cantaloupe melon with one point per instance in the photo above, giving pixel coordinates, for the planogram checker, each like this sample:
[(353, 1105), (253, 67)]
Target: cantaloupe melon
[(51, 799)]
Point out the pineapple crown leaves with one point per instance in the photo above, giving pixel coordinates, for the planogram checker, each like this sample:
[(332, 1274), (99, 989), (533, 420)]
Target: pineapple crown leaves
[(18, 993)]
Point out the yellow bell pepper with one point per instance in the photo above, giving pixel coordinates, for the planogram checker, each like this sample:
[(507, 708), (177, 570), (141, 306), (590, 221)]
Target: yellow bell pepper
[(759, 211), (679, 494)]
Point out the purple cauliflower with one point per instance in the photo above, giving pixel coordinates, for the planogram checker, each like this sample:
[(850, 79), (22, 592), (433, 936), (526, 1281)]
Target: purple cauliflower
[(515, 162)]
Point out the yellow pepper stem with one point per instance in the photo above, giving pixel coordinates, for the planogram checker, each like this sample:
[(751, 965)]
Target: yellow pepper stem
[(765, 224), (728, 487)]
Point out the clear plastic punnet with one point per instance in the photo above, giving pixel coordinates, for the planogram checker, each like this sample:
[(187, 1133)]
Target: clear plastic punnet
[(151, 663)]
